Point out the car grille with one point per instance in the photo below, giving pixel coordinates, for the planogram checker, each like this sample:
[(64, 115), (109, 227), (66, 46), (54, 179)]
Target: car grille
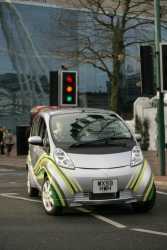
[(103, 196)]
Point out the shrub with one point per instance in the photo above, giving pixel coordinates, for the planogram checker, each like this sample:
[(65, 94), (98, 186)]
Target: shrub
[(142, 127)]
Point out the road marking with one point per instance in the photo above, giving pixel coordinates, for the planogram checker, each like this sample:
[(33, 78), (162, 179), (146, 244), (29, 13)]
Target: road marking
[(11, 174), (97, 216), (159, 192), (7, 170), (148, 231), (111, 222), (102, 218), (16, 197), (83, 210), (9, 193)]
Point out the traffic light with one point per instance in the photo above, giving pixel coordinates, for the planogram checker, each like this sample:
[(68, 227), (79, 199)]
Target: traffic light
[(53, 88), (147, 71), (68, 88), (163, 60)]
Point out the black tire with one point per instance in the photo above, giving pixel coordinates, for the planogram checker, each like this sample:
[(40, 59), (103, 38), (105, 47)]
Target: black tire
[(32, 192), (48, 202), (142, 207)]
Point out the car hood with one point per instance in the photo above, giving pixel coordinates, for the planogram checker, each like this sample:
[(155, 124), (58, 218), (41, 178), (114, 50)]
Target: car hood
[(100, 161)]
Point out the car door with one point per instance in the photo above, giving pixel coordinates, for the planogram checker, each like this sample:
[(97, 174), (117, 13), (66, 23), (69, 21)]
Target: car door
[(45, 148), (33, 149)]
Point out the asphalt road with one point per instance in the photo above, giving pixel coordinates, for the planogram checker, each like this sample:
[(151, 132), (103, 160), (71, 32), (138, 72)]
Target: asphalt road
[(25, 226)]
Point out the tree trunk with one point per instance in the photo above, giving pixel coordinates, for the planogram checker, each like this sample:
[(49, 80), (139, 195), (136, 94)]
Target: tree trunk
[(118, 58), (115, 85)]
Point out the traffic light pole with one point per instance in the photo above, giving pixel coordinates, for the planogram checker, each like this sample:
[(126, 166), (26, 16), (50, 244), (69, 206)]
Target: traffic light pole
[(160, 111)]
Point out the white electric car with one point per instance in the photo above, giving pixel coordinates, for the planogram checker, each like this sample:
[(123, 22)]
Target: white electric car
[(82, 156)]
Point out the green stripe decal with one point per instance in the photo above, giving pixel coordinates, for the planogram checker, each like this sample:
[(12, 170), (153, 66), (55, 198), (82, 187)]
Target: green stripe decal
[(151, 192), (44, 158), (78, 187), (134, 178), (37, 165), (55, 197), (149, 189), (148, 185), (136, 185), (64, 177), (70, 183), (57, 189)]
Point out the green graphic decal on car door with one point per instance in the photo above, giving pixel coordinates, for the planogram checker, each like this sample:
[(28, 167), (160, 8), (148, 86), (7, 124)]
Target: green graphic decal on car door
[(43, 165)]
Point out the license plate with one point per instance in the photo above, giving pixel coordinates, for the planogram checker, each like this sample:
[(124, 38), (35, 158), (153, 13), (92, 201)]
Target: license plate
[(105, 186)]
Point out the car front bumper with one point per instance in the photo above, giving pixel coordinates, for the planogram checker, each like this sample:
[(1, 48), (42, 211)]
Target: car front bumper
[(74, 186), (125, 197), (134, 184)]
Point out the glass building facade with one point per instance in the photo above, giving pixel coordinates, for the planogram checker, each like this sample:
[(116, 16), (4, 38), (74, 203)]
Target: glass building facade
[(36, 39)]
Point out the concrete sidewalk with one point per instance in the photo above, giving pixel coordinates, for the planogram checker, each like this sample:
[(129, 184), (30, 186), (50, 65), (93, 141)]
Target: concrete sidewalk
[(20, 161), (13, 160)]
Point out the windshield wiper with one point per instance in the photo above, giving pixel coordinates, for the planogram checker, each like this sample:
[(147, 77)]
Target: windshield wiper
[(105, 140), (120, 138)]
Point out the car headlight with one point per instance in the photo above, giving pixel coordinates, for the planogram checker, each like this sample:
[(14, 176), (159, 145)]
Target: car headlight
[(62, 159), (136, 156)]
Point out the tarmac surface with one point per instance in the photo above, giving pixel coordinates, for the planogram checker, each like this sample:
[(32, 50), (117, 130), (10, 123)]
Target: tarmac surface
[(25, 225), (20, 162)]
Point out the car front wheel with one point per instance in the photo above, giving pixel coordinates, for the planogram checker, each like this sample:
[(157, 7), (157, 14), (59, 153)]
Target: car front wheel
[(49, 204)]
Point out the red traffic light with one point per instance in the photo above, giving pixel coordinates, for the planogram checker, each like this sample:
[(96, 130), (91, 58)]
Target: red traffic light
[(69, 78)]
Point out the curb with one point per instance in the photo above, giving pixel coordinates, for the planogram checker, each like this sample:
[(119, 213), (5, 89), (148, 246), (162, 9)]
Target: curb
[(161, 182), (161, 185)]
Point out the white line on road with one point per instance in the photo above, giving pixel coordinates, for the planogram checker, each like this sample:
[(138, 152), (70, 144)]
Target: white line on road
[(111, 222), (102, 218), (148, 231), (97, 216), (83, 210), (9, 194), (15, 196), (159, 192), (6, 170)]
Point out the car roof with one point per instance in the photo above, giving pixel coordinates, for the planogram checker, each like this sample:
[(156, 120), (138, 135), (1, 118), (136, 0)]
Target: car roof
[(50, 112)]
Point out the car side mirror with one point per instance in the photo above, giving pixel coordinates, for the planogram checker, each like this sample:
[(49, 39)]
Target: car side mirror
[(138, 137), (35, 140)]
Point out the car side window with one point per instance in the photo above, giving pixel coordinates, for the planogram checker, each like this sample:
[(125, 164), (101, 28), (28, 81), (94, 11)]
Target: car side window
[(35, 127), (44, 135)]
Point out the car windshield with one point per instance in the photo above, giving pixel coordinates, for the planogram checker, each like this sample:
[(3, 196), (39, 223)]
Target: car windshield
[(88, 129)]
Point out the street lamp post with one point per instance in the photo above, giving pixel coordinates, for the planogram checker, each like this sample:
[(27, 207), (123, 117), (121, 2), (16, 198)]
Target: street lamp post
[(160, 111)]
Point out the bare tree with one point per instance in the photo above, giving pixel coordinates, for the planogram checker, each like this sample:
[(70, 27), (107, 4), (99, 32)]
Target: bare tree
[(106, 31)]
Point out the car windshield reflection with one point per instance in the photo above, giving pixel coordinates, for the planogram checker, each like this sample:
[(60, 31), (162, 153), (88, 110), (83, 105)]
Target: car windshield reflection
[(87, 129)]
